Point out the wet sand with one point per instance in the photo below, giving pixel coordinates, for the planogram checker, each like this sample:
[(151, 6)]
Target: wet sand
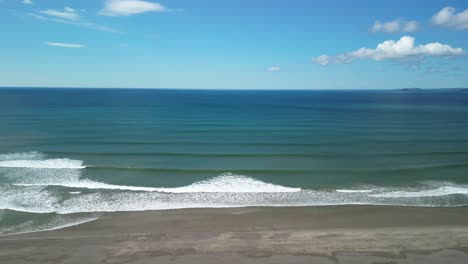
[(338, 234)]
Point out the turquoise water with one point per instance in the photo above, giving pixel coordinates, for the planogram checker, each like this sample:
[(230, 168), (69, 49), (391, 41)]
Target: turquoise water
[(67, 155)]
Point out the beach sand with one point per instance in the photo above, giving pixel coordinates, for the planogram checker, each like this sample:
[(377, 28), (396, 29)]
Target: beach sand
[(337, 234)]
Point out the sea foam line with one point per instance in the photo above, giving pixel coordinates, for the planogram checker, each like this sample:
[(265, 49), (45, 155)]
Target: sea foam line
[(43, 164), (225, 183), (32, 155), (441, 191), (53, 227), (354, 191)]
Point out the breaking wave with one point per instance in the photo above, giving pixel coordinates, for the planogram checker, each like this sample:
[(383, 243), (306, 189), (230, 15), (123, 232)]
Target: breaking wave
[(32, 155), (441, 191), (33, 184), (43, 164), (36, 160), (226, 183), (43, 199)]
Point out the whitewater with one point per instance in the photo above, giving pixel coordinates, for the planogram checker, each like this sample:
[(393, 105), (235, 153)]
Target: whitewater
[(33, 183)]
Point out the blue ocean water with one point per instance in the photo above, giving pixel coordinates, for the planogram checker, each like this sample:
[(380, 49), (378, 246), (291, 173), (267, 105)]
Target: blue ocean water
[(67, 155)]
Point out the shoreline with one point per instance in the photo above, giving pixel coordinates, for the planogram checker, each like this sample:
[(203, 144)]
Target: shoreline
[(226, 210), (253, 235)]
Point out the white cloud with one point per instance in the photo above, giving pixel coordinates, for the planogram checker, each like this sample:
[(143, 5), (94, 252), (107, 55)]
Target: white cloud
[(322, 60), (130, 7), (397, 25), (123, 45), (69, 9), (65, 45), (71, 17), (28, 2), (391, 49), (449, 17), (85, 24), (274, 69), (36, 16), (67, 13)]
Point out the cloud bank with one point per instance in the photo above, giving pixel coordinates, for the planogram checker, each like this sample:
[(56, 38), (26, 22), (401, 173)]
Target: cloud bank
[(130, 7), (448, 17), (391, 49), (397, 25)]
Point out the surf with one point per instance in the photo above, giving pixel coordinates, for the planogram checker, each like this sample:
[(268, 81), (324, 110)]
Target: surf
[(36, 160)]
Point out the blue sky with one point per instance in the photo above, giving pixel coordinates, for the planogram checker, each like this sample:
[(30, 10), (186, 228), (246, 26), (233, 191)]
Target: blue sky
[(227, 44)]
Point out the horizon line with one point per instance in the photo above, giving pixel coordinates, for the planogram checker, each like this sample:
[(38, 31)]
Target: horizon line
[(228, 89)]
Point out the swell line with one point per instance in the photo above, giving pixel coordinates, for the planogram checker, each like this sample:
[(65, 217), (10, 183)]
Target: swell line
[(291, 171), (240, 155)]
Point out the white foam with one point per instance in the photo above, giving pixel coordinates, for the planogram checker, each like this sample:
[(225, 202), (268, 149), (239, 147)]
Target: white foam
[(32, 199), (22, 156), (28, 175), (441, 191), (40, 200), (226, 183), (43, 164), (354, 191), (92, 185), (59, 222), (229, 183)]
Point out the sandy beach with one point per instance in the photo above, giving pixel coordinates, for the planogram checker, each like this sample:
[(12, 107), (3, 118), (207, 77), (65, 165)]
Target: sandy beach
[(340, 234)]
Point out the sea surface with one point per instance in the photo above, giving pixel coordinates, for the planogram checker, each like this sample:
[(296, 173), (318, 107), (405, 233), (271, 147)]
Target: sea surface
[(68, 155)]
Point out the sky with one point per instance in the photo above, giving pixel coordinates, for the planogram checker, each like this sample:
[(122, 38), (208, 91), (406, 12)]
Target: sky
[(234, 44)]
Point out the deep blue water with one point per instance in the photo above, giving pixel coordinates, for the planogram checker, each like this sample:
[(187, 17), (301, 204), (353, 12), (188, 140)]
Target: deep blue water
[(67, 154)]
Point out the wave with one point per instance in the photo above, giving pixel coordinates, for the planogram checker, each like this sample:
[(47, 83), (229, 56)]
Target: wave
[(30, 227), (36, 160), (225, 183), (32, 155), (441, 191), (43, 164), (230, 183), (220, 192), (259, 154), (354, 191), (33, 222), (39, 199), (29, 187), (91, 185), (290, 171)]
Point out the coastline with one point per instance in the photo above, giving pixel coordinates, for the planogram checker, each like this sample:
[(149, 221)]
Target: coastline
[(329, 234)]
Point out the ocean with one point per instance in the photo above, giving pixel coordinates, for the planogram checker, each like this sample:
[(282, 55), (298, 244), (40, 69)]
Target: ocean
[(68, 155)]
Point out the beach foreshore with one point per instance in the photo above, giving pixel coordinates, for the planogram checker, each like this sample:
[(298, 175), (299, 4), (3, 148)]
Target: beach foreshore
[(331, 234)]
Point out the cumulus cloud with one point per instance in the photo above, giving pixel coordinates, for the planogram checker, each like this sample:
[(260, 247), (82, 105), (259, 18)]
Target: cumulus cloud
[(130, 7), (65, 45), (67, 13), (28, 2), (397, 25), (448, 17), (391, 49), (273, 69)]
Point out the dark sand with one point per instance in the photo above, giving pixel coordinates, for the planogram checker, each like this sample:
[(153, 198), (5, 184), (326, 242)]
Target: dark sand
[(339, 234)]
